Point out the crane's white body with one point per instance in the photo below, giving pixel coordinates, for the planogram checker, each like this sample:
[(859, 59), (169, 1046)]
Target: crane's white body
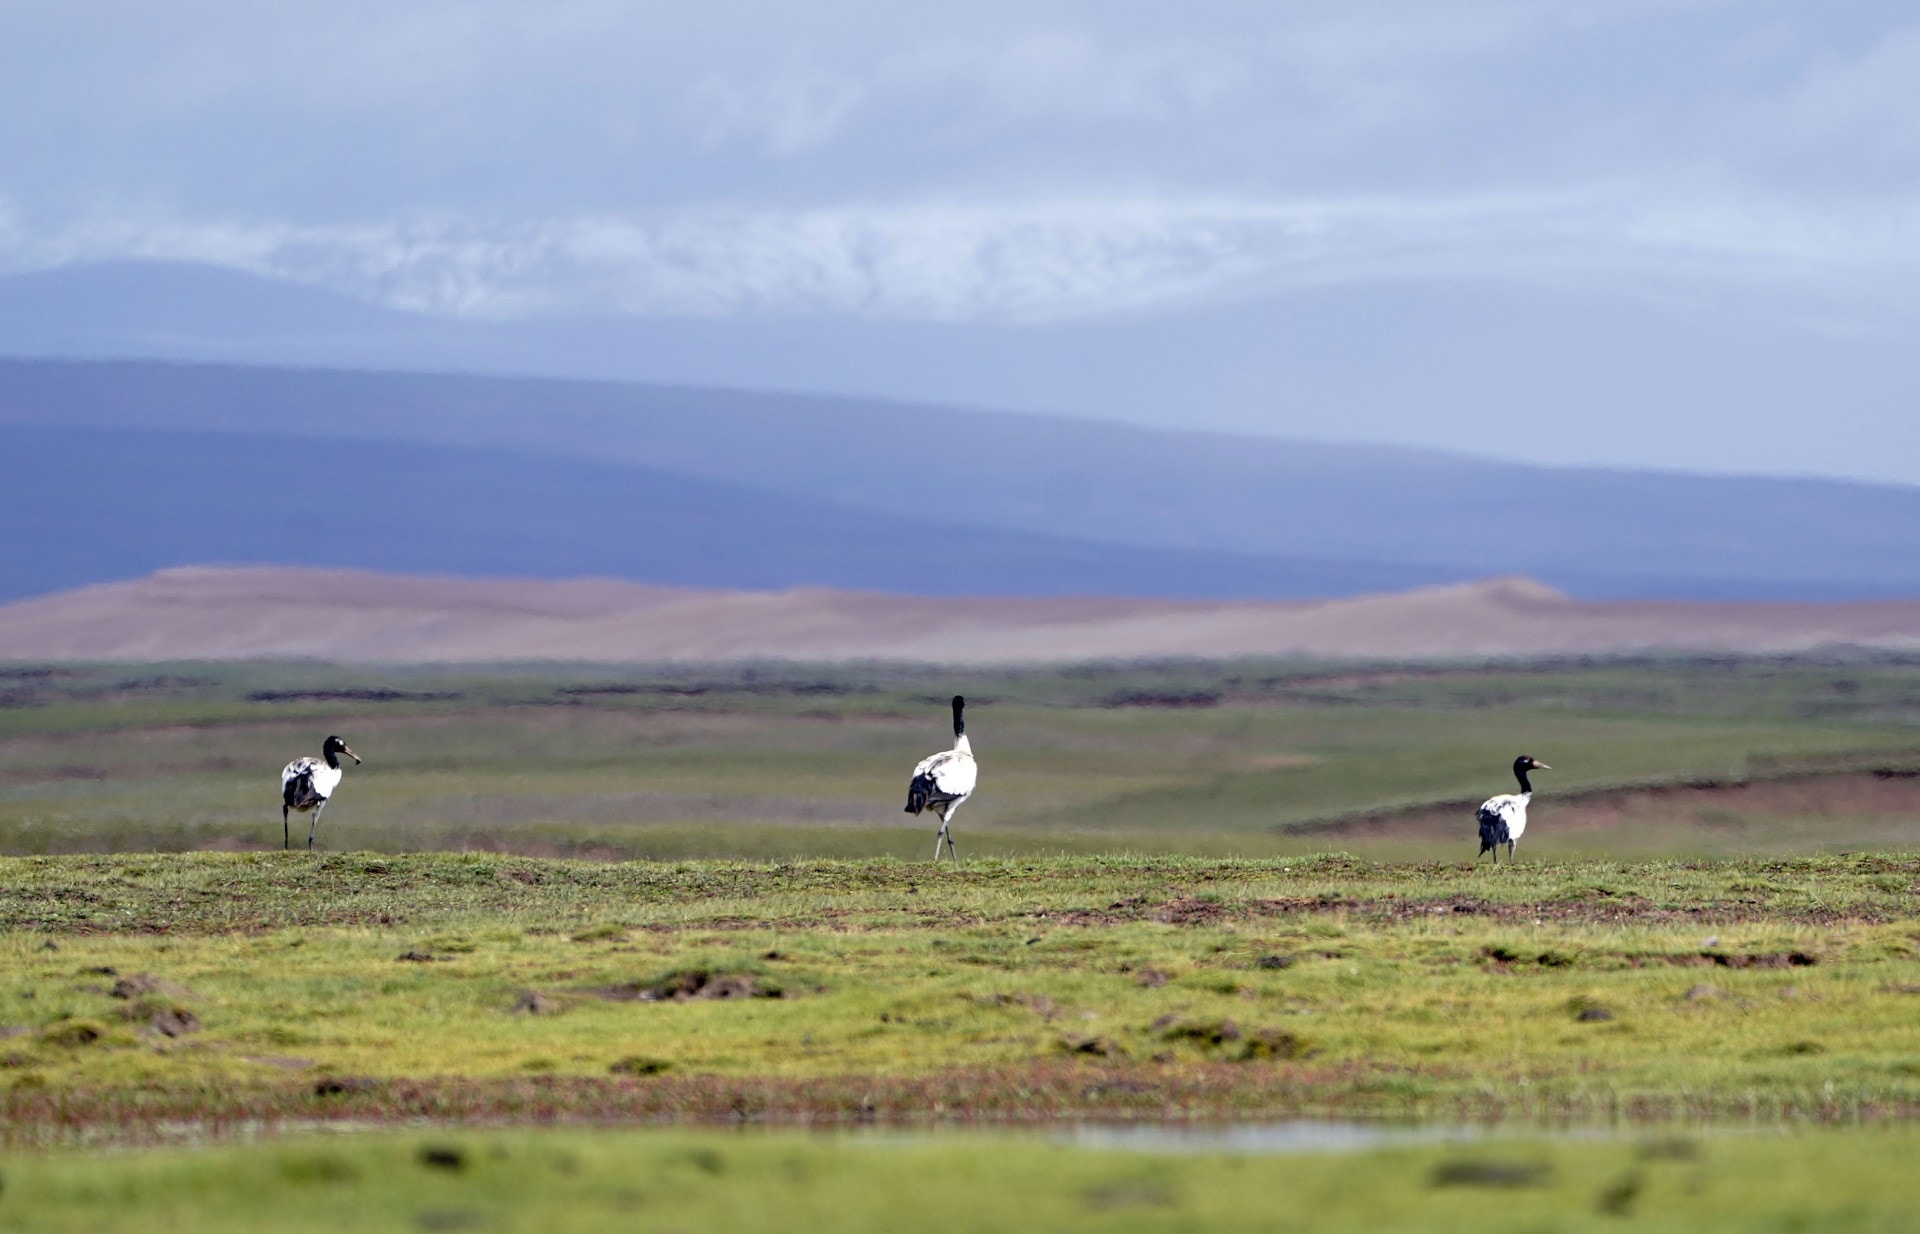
[(1503, 819), (942, 783), (1508, 810), (320, 779), (308, 784), (953, 773)]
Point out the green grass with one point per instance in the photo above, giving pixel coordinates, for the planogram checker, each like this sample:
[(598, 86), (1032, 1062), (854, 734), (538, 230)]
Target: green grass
[(1123, 913), (791, 761), (471, 986), (1830, 1181)]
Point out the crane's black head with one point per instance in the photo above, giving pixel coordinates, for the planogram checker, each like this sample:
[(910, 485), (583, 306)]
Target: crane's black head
[(1527, 762), (334, 747), (959, 725)]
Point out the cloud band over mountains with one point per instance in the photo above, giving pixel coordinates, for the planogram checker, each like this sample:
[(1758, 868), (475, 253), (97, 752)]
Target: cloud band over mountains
[(1003, 163), (1024, 263)]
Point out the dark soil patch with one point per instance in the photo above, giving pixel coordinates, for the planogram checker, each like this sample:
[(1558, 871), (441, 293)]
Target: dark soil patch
[(138, 985), (1726, 959), (1190, 911), (1207, 1033), (167, 1019), (690, 983), (73, 1033), (532, 1002), (1094, 1047), (1276, 1043), (443, 1157), (341, 1086), (1503, 1174), (1226, 1039), (354, 696), (1505, 957)]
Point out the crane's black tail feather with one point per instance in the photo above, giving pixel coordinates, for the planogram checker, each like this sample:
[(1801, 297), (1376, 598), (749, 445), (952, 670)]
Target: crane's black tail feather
[(299, 792), (919, 794), (1493, 833)]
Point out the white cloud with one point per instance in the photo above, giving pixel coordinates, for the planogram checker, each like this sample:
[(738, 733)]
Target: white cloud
[(1009, 161), (1033, 262)]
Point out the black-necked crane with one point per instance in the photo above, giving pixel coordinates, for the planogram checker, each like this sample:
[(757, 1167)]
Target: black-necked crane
[(943, 781), (308, 783), (1503, 819)]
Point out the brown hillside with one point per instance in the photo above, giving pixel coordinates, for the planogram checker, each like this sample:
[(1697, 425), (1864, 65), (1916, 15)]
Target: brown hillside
[(241, 613)]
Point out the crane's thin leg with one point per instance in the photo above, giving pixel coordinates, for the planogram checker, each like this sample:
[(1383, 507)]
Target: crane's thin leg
[(315, 825), (286, 829), (1510, 844)]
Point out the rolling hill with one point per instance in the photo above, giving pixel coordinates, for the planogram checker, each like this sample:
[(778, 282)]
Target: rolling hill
[(110, 469)]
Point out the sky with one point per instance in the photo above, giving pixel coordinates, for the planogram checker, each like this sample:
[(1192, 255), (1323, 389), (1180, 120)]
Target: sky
[(1566, 224)]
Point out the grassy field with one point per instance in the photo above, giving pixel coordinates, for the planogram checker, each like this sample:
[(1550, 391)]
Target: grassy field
[(1248, 759), (150, 991), (1734, 1041), (1194, 894)]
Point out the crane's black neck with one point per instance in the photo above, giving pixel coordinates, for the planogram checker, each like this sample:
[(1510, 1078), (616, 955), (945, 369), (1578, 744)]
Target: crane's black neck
[(1520, 774), (333, 760), (959, 724)]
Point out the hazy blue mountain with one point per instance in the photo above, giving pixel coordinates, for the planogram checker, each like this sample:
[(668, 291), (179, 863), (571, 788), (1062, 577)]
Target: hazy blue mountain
[(1503, 369), (80, 506), (1221, 515)]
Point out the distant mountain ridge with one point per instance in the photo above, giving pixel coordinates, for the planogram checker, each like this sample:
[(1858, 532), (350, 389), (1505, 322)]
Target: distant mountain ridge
[(86, 506), (110, 469)]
